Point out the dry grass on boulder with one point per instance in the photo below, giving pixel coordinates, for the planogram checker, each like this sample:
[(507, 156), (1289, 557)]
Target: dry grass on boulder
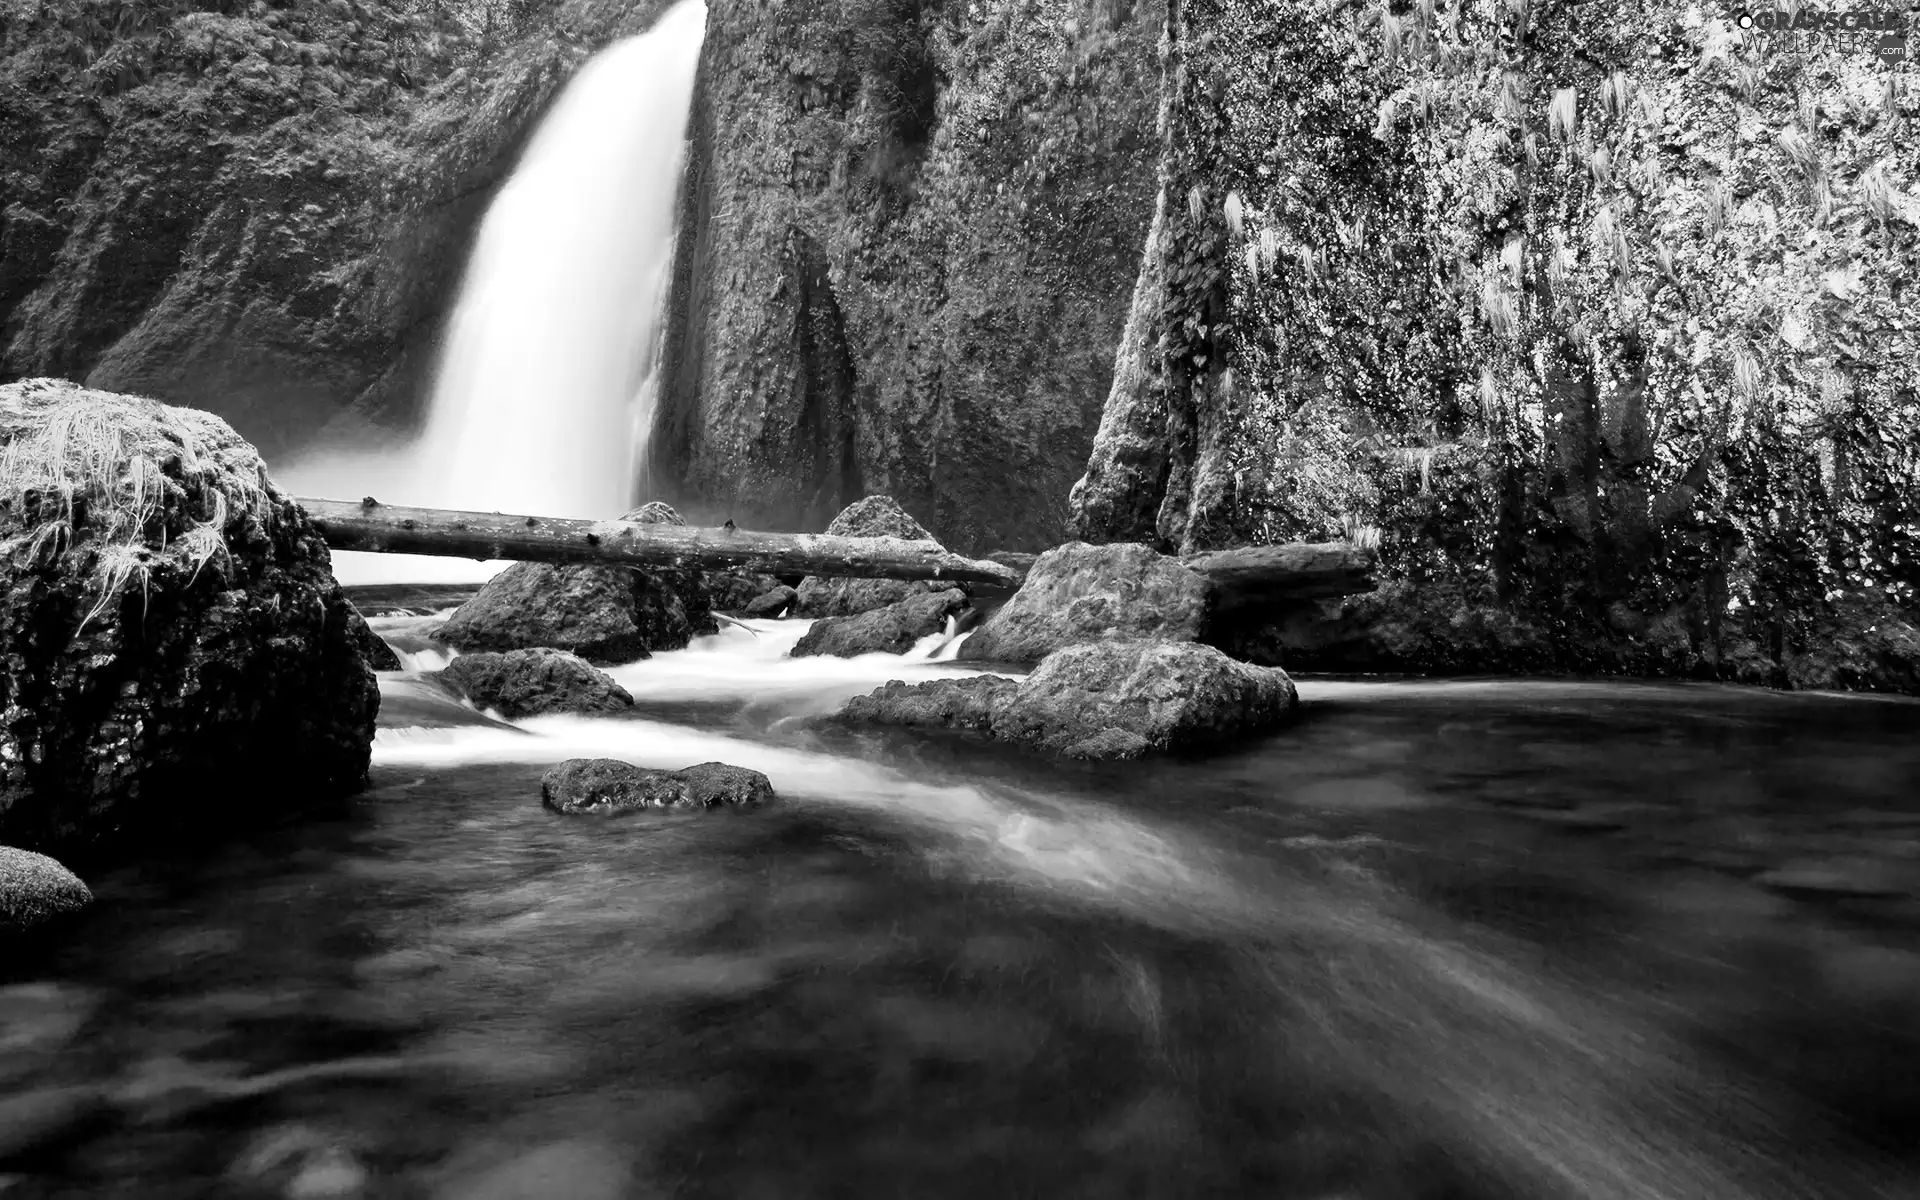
[(117, 473)]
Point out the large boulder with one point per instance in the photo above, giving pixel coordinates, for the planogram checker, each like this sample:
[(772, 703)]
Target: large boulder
[(610, 787), (874, 516), (173, 645), (1105, 700), (890, 630), (527, 683), (34, 890), (606, 615), (1080, 593)]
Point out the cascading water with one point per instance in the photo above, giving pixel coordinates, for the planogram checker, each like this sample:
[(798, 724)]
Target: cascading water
[(542, 403)]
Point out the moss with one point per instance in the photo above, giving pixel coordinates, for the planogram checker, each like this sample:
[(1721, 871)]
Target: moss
[(107, 469)]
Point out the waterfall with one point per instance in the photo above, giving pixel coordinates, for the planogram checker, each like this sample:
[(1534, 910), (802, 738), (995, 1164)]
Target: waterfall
[(542, 401)]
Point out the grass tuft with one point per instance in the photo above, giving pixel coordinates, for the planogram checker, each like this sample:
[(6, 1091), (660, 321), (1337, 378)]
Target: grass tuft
[(107, 471)]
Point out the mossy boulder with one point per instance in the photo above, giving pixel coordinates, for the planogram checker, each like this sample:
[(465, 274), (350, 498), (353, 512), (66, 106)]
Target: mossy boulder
[(1099, 700), (610, 787), (169, 621), (890, 630), (529, 683), (1080, 593), (35, 890), (606, 615), (871, 517)]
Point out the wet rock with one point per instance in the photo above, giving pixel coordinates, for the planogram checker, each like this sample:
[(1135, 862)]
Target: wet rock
[(890, 630), (775, 602), (1168, 695), (527, 683), (1099, 700), (1080, 593), (34, 890), (940, 704), (379, 655), (606, 615), (162, 632), (607, 785), (736, 591), (874, 516)]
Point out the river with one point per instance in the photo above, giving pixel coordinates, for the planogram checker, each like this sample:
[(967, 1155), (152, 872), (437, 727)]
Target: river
[(1441, 940)]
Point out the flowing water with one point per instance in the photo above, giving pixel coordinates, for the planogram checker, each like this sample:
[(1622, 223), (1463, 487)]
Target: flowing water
[(544, 398), (1480, 941)]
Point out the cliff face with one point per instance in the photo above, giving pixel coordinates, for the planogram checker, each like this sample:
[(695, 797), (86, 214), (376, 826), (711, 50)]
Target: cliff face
[(261, 209), (1603, 316), (909, 237)]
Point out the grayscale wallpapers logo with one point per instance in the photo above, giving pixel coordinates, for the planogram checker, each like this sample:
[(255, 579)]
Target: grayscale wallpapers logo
[(1886, 28)]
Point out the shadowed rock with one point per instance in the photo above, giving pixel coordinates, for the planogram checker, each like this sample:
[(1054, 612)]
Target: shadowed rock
[(736, 591), (609, 786), (34, 889), (167, 617), (772, 603), (1102, 700), (890, 630), (526, 683), (1080, 593), (606, 615), (380, 656), (874, 516)]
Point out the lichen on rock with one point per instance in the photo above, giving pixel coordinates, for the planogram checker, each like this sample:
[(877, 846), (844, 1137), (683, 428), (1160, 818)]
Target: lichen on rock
[(168, 619)]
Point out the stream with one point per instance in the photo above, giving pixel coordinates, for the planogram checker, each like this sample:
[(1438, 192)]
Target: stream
[(1441, 940)]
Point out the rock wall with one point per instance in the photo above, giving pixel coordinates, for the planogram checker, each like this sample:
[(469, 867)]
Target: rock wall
[(1595, 314), (910, 233)]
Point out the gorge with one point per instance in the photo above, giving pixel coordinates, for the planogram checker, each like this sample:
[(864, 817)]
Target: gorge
[(661, 878)]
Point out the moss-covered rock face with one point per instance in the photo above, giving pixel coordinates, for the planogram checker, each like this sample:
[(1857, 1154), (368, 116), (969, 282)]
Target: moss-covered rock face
[(262, 208), (175, 656), (1595, 311), (910, 233)]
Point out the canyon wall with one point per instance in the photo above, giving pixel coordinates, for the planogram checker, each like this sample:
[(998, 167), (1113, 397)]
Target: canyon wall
[(910, 233)]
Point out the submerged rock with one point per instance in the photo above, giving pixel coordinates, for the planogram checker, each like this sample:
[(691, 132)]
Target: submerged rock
[(1080, 593), (874, 516), (607, 785), (890, 630), (775, 602), (606, 615), (167, 617), (526, 683), (1103, 700), (34, 889)]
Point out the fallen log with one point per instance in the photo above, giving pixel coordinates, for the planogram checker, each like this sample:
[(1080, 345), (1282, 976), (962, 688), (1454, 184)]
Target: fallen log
[(1260, 576), (388, 529)]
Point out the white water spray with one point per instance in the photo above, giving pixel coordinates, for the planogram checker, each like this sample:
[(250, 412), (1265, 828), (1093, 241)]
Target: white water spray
[(542, 404)]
